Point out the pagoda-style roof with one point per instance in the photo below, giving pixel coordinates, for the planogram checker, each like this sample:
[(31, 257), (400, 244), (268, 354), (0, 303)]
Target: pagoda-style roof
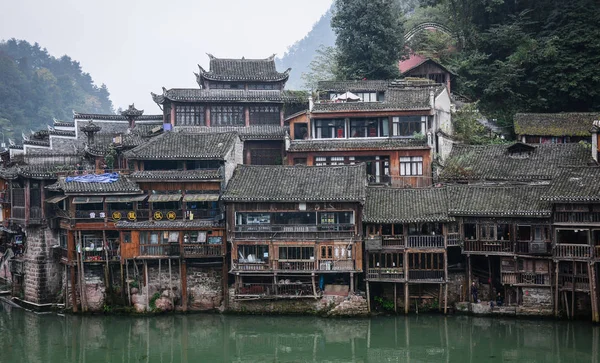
[(185, 146), (497, 162), (575, 185), (278, 183), (499, 201), (397, 205), (555, 124), (90, 127), (248, 70), (226, 96), (109, 117), (356, 144), (132, 112)]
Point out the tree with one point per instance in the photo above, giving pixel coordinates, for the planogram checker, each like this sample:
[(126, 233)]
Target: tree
[(322, 68), (370, 38)]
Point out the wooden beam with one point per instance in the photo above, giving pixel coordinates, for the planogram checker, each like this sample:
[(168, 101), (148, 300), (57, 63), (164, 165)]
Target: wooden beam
[(368, 298), (184, 291), (147, 285), (314, 284), (406, 300), (73, 289), (170, 287), (395, 298), (556, 289), (470, 282), (446, 299)]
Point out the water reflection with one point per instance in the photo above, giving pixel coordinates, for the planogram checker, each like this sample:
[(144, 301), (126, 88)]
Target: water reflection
[(215, 338)]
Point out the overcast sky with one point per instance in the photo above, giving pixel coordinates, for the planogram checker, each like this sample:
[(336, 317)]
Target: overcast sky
[(137, 46)]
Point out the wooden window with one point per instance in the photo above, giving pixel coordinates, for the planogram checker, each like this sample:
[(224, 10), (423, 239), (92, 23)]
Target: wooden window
[(487, 232), (264, 115), (503, 232), (407, 126), (227, 116), (189, 115), (262, 86), (411, 165), (126, 237), (470, 231), (299, 161), (296, 253), (330, 129), (253, 253), (335, 252)]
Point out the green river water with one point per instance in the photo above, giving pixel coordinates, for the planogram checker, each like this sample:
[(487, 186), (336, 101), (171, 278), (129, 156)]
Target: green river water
[(30, 337)]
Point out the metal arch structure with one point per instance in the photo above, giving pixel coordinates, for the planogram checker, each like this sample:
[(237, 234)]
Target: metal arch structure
[(426, 25)]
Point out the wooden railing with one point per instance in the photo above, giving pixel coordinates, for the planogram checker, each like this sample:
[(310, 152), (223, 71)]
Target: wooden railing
[(202, 250), (454, 239), (428, 275), (171, 249), (533, 248), (526, 278), (396, 273), (296, 265), (577, 217), (488, 246), (99, 255), (91, 214), (425, 242), (566, 281), (322, 231), (336, 265), (573, 251), (17, 213), (391, 242), (250, 266)]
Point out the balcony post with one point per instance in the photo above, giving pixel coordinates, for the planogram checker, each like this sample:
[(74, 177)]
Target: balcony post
[(556, 288)]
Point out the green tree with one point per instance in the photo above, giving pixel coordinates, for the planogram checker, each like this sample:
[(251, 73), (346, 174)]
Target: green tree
[(322, 68), (370, 38)]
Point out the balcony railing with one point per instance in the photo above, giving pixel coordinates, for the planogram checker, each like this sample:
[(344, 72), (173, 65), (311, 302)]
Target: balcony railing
[(566, 281), (251, 266), (171, 249), (577, 217), (533, 248), (392, 242), (202, 250), (336, 265), (499, 247), (426, 275), (17, 213), (425, 242), (329, 231), (396, 273), (454, 239), (526, 278), (99, 255), (573, 251), (302, 265)]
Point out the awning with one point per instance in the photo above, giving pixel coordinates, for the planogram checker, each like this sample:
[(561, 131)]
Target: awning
[(87, 200), (154, 198), (201, 197), (56, 199), (126, 199)]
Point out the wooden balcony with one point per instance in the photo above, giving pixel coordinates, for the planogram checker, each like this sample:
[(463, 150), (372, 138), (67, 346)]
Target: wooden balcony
[(489, 247), (270, 231), (533, 248), (392, 274), (426, 275), (581, 282), (573, 251), (160, 250), (454, 240), (425, 242), (250, 266), (393, 242), (526, 279), (577, 217), (197, 250), (295, 265), (336, 265), (99, 255)]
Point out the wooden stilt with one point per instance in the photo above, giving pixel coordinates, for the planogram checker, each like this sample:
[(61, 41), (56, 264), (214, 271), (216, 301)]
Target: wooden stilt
[(73, 289), (170, 287), (314, 285), (368, 298), (105, 248), (406, 298), (556, 289), (440, 298), (147, 285), (566, 302), (122, 281), (224, 276), (573, 295), (593, 292), (470, 280), (490, 281), (395, 298), (446, 299), (352, 282), (66, 298), (127, 282), (184, 291), (159, 274)]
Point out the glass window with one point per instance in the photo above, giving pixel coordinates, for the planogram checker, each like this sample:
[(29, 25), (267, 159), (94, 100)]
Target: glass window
[(411, 165), (503, 232), (296, 253), (330, 129), (264, 115), (408, 125), (369, 127), (189, 115), (227, 116), (253, 253)]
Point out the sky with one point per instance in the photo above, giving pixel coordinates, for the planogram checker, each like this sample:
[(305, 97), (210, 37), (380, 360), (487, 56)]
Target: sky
[(138, 46)]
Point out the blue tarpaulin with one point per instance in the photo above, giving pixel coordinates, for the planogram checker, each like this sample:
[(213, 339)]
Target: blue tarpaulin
[(94, 178)]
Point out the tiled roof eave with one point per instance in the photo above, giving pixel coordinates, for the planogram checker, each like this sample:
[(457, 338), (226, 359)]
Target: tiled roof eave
[(210, 76), (564, 199), (408, 220), (390, 109), (540, 214), (289, 199), (176, 157)]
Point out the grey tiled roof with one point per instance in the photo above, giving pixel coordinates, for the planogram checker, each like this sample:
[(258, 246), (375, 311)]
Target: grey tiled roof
[(396, 205), (225, 96), (41, 172), (253, 132), (396, 99), (352, 86), (495, 162), (575, 185), (99, 116), (498, 201), (121, 186), (297, 183), (196, 223), (355, 144), (62, 133), (222, 69), (210, 174), (555, 124), (184, 146)]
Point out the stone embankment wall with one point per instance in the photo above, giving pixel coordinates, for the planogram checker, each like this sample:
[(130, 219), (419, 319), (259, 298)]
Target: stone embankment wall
[(42, 274), (328, 305)]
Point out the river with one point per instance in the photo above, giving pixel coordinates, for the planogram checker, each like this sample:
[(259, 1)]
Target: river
[(29, 337)]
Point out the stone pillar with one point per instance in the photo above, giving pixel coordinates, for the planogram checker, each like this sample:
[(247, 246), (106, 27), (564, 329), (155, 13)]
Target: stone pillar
[(42, 273)]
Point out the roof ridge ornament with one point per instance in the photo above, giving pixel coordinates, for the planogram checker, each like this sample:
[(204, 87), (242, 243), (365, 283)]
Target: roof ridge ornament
[(212, 57), (272, 57)]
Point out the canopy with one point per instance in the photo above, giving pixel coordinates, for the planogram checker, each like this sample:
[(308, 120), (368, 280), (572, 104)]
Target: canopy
[(56, 199), (154, 198), (86, 200), (126, 199), (201, 198), (348, 96)]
